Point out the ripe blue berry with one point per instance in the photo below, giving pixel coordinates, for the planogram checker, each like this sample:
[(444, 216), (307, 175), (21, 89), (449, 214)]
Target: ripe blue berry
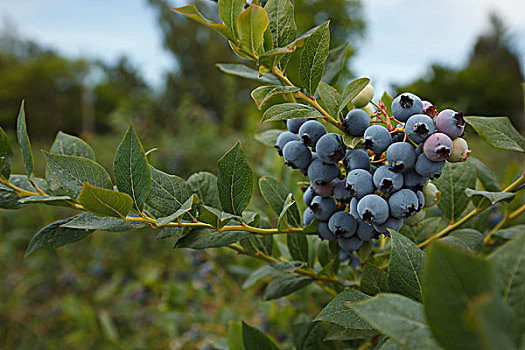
[(420, 200), (330, 148), (391, 223), (357, 159), (311, 131), (401, 156), (350, 244), (283, 139), (342, 224), (386, 180), (406, 105), (428, 168), (451, 123), (308, 195), (341, 194), (366, 231), (294, 124), (437, 147), (372, 169), (373, 209), (356, 122), (377, 138), (403, 204), (419, 127), (308, 217), (322, 173), (297, 155), (359, 183), (460, 151), (353, 208), (322, 190), (324, 232), (323, 207), (413, 180)]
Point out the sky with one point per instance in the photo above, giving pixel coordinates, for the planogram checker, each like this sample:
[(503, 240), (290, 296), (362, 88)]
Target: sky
[(403, 36)]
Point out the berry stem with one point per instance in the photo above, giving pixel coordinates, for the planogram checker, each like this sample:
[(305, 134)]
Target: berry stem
[(388, 124)]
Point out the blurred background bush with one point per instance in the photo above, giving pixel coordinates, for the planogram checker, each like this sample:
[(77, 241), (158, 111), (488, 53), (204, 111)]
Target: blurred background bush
[(133, 291)]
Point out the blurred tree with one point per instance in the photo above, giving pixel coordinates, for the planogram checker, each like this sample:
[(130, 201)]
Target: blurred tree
[(489, 84)]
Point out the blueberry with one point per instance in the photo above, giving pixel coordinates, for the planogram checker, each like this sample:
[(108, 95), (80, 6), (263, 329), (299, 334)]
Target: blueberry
[(357, 159), (406, 105), (451, 123), (365, 231), (460, 151), (308, 217), (363, 97), (386, 180), (432, 195), (359, 183), (342, 224), (294, 124), (323, 207), (341, 194), (437, 147), (322, 190), (330, 148), (419, 127), (401, 156), (372, 169), (429, 109), (350, 244), (322, 173), (324, 232), (403, 204), (398, 136), (353, 208), (413, 180), (419, 149), (391, 223), (428, 168), (311, 131), (420, 200), (296, 155), (356, 122), (283, 139), (308, 195), (377, 138), (373, 209)]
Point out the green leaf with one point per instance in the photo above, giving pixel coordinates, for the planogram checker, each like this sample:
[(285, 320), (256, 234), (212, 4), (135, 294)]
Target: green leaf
[(313, 58), (9, 198), (245, 72), (171, 231), (204, 238), (23, 140), (192, 12), (460, 304), (330, 98), (405, 267), (335, 62), (397, 317), (389, 344), (71, 146), (494, 197), (87, 221), (275, 194), (498, 132), (215, 217), (269, 137), (184, 208), (168, 192), (352, 90), (298, 246), (51, 200), (274, 269), (454, 180), (373, 280), (352, 141), (282, 22), (427, 228), (467, 239), (102, 202), (54, 236), (204, 184), (487, 178), (234, 181), (22, 182), (364, 251), (285, 111), (387, 100), (509, 267), (255, 339), (263, 94), (229, 11), (285, 285), (6, 153), (72, 172), (337, 313), (131, 169), (235, 336), (510, 232), (288, 205), (251, 25)]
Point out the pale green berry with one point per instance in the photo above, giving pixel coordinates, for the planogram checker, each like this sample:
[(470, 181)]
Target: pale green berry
[(415, 219), (432, 195), (460, 151), (369, 109), (364, 97)]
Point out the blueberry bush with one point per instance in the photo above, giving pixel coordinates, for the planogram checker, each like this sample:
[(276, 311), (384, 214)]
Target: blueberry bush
[(395, 214)]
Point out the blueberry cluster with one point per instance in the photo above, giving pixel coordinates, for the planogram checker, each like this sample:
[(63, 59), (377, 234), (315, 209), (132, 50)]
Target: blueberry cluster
[(358, 194)]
